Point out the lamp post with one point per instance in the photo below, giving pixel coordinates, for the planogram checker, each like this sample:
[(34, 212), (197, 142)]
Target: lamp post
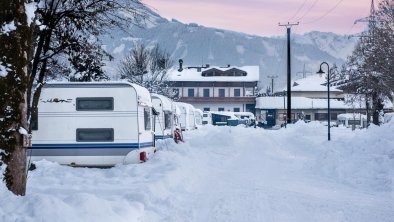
[(328, 95)]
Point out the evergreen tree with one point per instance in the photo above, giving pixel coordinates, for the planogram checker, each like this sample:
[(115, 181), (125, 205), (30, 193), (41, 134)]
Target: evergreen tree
[(46, 39)]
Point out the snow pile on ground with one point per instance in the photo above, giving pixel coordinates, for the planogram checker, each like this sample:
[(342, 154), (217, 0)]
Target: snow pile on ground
[(226, 174)]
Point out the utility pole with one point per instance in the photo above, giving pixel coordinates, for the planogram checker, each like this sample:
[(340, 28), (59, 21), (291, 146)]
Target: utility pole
[(272, 83), (288, 27)]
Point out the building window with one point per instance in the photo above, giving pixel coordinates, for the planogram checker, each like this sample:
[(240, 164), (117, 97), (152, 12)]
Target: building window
[(221, 92), (147, 118), (176, 92), (206, 92), (95, 104), (237, 109), (207, 109), (190, 92), (321, 116), (237, 92), (220, 109), (95, 135)]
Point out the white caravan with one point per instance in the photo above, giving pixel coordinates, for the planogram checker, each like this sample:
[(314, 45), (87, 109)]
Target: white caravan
[(93, 124), (350, 119), (164, 121), (198, 117), (186, 120)]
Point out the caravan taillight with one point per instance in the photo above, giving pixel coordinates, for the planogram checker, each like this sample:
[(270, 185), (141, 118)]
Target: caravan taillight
[(143, 156)]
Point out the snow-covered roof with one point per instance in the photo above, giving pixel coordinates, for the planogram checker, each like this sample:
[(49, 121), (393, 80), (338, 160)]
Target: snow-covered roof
[(143, 94), (165, 101), (312, 83), (249, 114), (192, 74), (225, 113), (303, 103), (188, 106)]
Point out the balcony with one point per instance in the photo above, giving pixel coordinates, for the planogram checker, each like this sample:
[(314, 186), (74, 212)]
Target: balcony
[(245, 100)]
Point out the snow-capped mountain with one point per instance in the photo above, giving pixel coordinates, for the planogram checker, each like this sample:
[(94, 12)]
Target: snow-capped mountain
[(198, 45)]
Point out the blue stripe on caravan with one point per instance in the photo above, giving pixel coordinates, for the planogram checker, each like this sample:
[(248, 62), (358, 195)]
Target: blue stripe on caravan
[(160, 137), (92, 145)]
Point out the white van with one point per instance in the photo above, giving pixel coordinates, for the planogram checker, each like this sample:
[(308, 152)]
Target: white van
[(93, 124)]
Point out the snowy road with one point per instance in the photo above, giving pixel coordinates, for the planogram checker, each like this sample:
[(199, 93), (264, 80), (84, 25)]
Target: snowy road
[(226, 174)]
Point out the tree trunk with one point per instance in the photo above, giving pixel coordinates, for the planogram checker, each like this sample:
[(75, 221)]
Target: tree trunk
[(377, 107), (14, 48), (15, 174)]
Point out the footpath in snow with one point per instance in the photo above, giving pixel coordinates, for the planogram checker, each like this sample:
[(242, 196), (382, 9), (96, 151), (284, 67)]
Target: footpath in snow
[(226, 174)]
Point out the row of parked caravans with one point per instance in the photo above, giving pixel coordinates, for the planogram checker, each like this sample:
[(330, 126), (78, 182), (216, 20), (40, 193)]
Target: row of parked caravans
[(104, 123)]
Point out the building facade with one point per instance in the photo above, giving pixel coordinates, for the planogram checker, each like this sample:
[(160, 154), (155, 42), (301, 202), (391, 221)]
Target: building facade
[(216, 88)]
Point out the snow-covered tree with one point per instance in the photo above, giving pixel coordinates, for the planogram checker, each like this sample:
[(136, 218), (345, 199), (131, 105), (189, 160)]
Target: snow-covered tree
[(369, 70), (148, 67), (44, 39)]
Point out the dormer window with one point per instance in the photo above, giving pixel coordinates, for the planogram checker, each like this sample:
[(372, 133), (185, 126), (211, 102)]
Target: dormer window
[(217, 72)]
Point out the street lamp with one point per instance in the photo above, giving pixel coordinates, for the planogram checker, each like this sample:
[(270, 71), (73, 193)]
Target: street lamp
[(320, 72)]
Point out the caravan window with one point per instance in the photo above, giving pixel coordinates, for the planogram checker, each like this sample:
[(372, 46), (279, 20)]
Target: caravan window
[(95, 135), (167, 120), (147, 118), (95, 104)]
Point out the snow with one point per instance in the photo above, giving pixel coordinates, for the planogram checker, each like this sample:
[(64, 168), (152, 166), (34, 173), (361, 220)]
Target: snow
[(119, 49), (193, 75), (302, 103), (312, 83), (240, 49), (143, 94), (3, 71), (30, 11), (226, 174), (23, 131), (7, 28)]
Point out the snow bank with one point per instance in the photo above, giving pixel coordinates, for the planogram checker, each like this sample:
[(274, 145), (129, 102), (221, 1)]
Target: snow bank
[(226, 174)]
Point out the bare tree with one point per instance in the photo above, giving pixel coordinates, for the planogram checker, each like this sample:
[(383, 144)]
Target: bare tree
[(369, 70), (148, 68), (52, 38)]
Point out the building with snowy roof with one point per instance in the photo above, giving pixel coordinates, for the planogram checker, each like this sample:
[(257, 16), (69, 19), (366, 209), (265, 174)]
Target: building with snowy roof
[(313, 86), (308, 102), (213, 88)]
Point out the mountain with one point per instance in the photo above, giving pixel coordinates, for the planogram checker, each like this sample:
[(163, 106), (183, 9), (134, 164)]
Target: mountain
[(198, 45)]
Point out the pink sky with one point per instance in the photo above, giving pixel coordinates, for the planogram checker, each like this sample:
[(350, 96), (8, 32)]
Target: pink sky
[(261, 17)]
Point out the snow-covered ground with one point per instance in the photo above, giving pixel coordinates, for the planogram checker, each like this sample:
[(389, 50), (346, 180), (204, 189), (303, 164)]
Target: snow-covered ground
[(226, 174)]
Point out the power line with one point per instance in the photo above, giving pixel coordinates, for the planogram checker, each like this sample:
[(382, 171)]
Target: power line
[(298, 10), (324, 15), (309, 9)]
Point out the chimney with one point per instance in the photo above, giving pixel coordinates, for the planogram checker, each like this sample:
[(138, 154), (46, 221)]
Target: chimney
[(180, 65), (228, 65), (206, 65)]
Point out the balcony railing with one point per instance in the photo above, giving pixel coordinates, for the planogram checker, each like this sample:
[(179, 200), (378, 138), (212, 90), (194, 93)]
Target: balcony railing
[(249, 100)]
